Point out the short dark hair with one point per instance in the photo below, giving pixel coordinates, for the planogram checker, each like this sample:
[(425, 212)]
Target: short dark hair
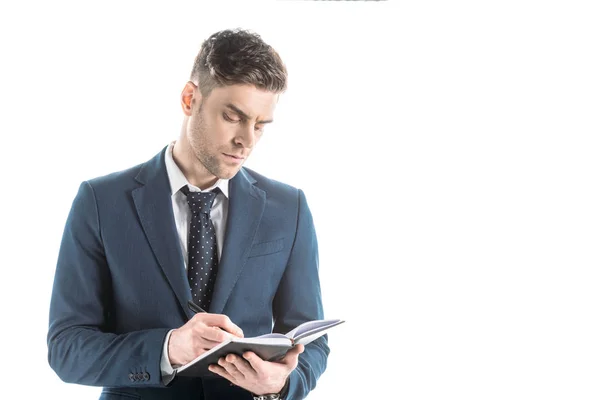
[(231, 57)]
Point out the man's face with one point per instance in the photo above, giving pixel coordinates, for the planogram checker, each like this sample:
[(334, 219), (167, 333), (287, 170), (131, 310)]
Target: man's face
[(224, 127)]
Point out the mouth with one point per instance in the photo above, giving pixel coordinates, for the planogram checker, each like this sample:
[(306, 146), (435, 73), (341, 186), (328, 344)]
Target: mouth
[(234, 158)]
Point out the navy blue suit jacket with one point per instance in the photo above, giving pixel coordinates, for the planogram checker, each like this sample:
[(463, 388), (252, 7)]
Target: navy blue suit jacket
[(121, 284)]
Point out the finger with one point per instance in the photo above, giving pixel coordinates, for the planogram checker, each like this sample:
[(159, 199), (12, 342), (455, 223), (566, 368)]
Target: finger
[(206, 345), (217, 369), (213, 334), (223, 322), (294, 351), (298, 349), (255, 362), (291, 358), (231, 369), (242, 365)]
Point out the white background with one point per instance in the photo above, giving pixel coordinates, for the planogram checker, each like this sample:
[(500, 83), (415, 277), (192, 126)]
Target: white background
[(449, 152)]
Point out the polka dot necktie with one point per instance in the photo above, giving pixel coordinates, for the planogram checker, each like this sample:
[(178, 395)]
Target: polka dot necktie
[(203, 258)]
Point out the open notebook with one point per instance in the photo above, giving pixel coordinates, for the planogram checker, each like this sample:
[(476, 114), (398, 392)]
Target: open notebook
[(269, 347)]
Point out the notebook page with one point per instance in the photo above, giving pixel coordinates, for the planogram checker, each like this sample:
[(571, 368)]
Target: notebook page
[(310, 327)]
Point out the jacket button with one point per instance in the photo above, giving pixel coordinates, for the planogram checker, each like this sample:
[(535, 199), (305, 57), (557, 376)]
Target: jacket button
[(138, 377), (131, 377), (146, 376)]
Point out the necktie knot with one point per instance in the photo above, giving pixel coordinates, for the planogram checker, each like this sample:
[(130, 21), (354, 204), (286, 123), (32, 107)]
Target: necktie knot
[(200, 201)]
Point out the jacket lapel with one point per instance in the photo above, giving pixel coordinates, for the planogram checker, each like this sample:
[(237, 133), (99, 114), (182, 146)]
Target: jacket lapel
[(246, 206), (155, 210)]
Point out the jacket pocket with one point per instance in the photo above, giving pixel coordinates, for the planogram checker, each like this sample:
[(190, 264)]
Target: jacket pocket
[(264, 248)]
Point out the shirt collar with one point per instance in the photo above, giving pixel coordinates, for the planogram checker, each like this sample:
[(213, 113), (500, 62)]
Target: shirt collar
[(177, 179)]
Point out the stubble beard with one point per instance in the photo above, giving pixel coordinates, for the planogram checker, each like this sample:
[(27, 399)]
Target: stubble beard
[(202, 151)]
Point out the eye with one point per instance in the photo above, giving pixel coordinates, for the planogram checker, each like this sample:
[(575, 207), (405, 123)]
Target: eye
[(259, 128), (229, 119)]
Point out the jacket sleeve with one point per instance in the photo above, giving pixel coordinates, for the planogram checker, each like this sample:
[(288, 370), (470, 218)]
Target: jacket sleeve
[(298, 299), (82, 347)]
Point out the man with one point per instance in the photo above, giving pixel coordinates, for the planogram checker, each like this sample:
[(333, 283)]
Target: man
[(192, 224)]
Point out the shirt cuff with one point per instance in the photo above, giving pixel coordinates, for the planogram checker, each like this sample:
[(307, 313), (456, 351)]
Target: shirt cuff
[(166, 369)]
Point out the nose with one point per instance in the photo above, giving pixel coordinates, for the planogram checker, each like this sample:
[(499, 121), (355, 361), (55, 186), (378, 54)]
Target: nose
[(245, 136)]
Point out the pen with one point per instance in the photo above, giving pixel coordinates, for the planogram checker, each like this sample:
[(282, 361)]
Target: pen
[(195, 307)]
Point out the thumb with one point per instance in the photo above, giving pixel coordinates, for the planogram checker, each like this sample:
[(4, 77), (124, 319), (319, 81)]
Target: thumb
[(291, 357), (294, 352)]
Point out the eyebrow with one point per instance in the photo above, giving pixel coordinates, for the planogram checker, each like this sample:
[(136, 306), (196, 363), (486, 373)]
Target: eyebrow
[(244, 115)]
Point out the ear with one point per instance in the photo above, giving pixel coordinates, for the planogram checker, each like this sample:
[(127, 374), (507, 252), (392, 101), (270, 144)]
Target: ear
[(189, 93)]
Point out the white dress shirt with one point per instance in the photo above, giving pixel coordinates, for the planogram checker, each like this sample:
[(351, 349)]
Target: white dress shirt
[(181, 212)]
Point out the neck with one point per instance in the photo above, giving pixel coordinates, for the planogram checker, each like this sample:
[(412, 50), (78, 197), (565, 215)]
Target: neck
[(195, 172)]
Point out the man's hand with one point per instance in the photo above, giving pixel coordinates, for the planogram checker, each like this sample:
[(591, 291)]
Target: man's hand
[(255, 375), (200, 334)]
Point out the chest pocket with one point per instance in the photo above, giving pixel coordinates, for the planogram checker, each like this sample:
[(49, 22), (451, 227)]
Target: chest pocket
[(264, 248)]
